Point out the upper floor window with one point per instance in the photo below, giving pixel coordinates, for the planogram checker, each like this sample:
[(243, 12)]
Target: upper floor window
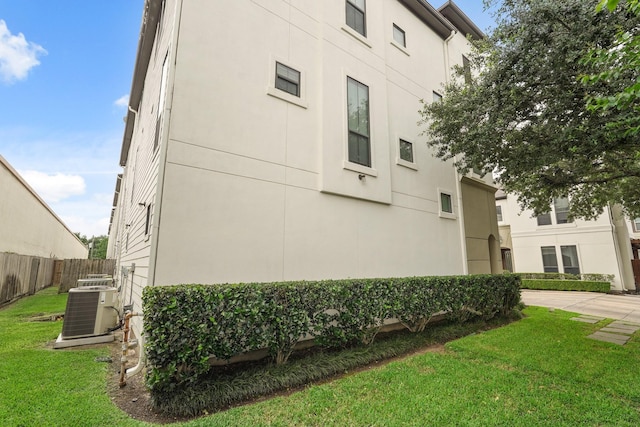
[(560, 212), (466, 66), (499, 213), (399, 36), (406, 151), (358, 118), (356, 16), (287, 79), (446, 204), (636, 225), (437, 97)]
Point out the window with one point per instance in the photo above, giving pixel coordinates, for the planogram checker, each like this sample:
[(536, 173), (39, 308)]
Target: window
[(287, 79), (437, 97), (549, 259), (161, 96), (406, 151), (147, 224), (570, 259), (399, 36), (544, 219), (561, 206), (445, 203), (466, 66), (356, 16), (636, 225), (358, 118), (499, 213)]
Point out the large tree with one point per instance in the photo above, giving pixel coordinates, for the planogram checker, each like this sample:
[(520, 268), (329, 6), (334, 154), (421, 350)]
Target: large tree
[(524, 112)]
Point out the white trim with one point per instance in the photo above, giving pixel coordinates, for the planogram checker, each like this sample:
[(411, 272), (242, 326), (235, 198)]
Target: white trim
[(401, 162), (400, 47), (346, 164), (355, 167), (300, 101), (441, 213), (356, 35)]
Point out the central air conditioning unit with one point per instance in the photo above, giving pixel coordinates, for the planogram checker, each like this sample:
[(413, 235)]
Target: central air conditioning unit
[(98, 276), (90, 312), (97, 281)]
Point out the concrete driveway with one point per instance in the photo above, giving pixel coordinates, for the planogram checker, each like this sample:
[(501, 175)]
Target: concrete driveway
[(622, 307)]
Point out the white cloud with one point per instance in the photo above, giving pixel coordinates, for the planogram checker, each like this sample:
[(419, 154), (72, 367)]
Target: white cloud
[(56, 187), (123, 101), (17, 55)]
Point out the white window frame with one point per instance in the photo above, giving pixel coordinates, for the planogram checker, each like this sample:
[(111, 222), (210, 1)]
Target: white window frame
[(553, 217), (443, 213), (300, 101), (401, 47), (499, 213), (351, 31), (348, 165), (402, 162)]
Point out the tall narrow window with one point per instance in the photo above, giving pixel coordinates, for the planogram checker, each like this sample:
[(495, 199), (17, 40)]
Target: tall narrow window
[(549, 259), (499, 213), (466, 66), (561, 206), (161, 96), (406, 151), (399, 36), (356, 12), (570, 259), (287, 79), (358, 118), (147, 224)]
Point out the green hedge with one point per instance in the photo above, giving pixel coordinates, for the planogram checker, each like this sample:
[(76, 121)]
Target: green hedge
[(566, 285), (185, 325), (592, 277)]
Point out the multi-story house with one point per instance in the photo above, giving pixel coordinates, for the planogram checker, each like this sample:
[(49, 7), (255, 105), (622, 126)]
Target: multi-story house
[(278, 140), (553, 242)]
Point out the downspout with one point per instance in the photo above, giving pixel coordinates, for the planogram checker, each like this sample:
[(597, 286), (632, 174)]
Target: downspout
[(162, 161), (463, 242), (616, 245)]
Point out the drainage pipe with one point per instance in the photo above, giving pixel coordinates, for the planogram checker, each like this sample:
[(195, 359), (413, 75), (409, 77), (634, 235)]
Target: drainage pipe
[(125, 347)]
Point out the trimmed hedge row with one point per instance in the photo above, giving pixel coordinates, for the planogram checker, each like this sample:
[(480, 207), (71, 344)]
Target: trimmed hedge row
[(185, 325), (591, 277), (567, 285)]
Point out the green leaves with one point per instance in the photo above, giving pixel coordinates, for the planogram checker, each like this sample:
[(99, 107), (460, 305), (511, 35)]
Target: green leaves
[(185, 325)]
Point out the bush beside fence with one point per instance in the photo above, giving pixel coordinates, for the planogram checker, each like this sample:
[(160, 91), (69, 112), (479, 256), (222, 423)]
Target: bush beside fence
[(186, 325), (592, 277)]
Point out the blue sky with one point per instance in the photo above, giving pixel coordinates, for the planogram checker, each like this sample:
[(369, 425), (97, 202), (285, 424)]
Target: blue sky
[(65, 75)]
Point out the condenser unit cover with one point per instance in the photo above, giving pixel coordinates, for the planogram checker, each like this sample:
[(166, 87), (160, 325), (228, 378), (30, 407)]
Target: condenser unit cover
[(90, 312)]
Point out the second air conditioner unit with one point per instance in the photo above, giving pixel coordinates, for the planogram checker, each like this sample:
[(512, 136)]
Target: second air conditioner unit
[(90, 312), (96, 281)]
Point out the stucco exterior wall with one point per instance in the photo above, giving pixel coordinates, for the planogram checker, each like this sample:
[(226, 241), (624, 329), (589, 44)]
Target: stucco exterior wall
[(28, 226)]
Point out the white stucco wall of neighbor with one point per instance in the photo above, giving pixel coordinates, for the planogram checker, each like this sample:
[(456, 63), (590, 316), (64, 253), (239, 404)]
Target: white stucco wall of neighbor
[(28, 226), (598, 245)]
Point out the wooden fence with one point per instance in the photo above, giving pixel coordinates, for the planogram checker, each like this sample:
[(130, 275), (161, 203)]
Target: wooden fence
[(23, 275), (74, 269)]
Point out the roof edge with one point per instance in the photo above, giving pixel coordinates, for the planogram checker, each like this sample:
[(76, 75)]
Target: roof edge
[(460, 20)]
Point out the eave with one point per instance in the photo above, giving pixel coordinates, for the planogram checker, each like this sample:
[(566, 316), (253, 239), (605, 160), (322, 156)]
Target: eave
[(457, 17), (430, 16)]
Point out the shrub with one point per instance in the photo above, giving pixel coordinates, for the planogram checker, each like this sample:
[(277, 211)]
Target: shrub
[(592, 277), (186, 325), (566, 285)]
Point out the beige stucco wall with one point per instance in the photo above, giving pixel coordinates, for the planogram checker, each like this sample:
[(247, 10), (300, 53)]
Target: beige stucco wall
[(28, 226)]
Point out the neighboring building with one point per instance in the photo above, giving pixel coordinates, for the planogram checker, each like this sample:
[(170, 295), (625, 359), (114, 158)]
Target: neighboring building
[(28, 226), (554, 243), (278, 140)]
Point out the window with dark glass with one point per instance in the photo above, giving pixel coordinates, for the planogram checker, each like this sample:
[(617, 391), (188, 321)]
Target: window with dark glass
[(466, 66), (561, 206), (399, 36), (499, 213), (287, 79), (445, 203), (544, 219), (358, 118), (406, 151), (356, 12), (570, 259), (549, 259)]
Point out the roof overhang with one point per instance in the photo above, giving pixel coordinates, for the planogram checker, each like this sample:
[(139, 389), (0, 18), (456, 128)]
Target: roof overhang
[(430, 16), (150, 18), (457, 17)]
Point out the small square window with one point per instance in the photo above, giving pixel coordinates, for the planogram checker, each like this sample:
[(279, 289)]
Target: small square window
[(399, 36), (445, 203), (287, 79), (356, 16), (544, 219), (437, 97), (406, 151), (636, 225)]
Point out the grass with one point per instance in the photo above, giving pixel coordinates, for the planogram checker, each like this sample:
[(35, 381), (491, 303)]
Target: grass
[(540, 371)]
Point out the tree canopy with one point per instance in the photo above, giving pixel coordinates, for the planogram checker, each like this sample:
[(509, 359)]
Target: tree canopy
[(97, 245), (530, 111)]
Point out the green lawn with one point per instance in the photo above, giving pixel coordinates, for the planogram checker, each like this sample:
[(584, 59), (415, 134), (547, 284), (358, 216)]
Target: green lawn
[(541, 370)]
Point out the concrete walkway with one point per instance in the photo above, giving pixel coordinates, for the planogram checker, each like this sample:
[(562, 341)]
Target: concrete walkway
[(620, 307)]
